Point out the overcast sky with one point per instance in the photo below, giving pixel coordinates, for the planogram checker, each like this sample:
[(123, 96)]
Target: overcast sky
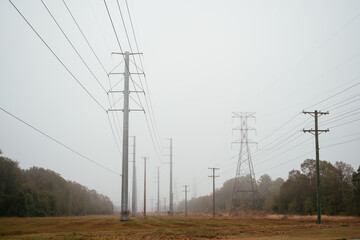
[(203, 60)]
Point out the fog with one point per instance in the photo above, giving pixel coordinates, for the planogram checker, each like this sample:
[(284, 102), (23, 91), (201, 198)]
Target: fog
[(203, 60)]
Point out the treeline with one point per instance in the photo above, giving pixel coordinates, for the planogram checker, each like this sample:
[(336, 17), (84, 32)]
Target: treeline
[(339, 190), (40, 192)]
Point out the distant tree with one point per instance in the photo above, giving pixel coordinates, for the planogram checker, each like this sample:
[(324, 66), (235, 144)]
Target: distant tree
[(356, 193), (10, 186), (298, 193), (339, 191), (267, 189), (40, 192)]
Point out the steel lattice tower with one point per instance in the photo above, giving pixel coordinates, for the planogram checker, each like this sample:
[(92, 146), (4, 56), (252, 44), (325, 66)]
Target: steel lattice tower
[(245, 188)]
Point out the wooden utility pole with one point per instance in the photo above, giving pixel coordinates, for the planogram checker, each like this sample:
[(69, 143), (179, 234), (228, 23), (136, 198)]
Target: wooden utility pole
[(315, 132), (213, 176)]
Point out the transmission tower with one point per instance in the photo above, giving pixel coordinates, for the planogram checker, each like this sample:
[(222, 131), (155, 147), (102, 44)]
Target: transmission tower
[(245, 188)]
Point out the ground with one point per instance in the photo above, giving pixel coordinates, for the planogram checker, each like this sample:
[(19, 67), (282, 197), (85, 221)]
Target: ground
[(181, 227)]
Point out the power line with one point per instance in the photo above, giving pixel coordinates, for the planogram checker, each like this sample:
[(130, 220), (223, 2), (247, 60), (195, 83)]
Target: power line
[(82, 33), (62, 63), (341, 117), (343, 101), (345, 123), (327, 146), (336, 94), (58, 142), (92, 50), (72, 45), (142, 66), (113, 133), (99, 26), (280, 139), (113, 27), (340, 143), (286, 162), (284, 124), (281, 153), (320, 46), (157, 136), (147, 122)]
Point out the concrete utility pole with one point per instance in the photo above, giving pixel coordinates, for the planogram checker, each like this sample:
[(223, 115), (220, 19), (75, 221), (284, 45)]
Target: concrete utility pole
[(213, 176), (316, 114), (125, 160), (144, 187), (134, 194), (125, 152), (158, 192), (152, 205), (171, 202), (186, 191), (171, 207)]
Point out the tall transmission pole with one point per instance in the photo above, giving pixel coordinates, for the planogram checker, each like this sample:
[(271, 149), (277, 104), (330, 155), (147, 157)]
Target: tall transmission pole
[(171, 195), (134, 193), (144, 187), (213, 177), (195, 188), (186, 191), (245, 189), (125, 152), (176, 192), (316, 114), (152, 205), (158, 192)]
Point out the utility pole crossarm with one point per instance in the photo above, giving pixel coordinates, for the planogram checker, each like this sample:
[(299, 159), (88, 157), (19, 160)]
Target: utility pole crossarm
[(318, 112), (125, 53), (311, 130)]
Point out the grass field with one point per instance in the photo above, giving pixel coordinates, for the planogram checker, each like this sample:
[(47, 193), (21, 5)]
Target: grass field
[(180, 227)]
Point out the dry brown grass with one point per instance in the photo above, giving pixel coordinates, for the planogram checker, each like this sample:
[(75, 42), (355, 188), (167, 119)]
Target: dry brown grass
[(195, 226)]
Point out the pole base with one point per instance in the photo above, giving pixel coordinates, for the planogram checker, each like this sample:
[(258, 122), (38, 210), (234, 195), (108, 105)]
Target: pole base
[(124, 216)]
